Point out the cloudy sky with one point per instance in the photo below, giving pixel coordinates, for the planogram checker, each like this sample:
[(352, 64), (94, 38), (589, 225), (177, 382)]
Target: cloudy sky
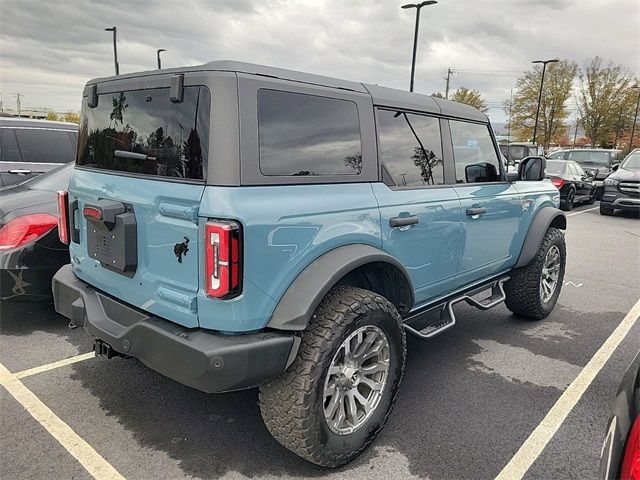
[(49, 49)]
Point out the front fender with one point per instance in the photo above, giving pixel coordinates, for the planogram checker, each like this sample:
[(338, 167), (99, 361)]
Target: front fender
[(545, 217), (305, 293)]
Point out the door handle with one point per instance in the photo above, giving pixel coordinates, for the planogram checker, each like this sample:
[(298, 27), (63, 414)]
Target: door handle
[(403, 221), (20, 171), (476, 211)]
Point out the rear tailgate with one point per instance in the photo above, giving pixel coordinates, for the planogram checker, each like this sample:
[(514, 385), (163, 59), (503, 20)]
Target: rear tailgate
[(135, 198)]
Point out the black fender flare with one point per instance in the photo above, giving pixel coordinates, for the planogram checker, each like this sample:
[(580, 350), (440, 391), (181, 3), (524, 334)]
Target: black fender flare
[(545, 217), (300, 300)]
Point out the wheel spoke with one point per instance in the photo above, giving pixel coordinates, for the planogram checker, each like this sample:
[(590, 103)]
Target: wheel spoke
[(352, 409), (371, 383), (374, 368), (336, 399)]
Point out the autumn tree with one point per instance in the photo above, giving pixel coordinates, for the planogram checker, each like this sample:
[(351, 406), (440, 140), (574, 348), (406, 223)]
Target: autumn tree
[(470, 97), (51, 115), (72, 117), (553, 110), (605, 101)]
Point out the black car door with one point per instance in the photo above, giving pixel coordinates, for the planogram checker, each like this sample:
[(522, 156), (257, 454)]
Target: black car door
[(579, 178)]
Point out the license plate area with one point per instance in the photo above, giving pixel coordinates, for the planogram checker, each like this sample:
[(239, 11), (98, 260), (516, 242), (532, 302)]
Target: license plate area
[(112, 235)]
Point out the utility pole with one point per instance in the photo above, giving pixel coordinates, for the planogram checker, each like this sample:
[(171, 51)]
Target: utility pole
[(544, 67), (415, 34), (575, 132), (18, 95), (618, 127), (447, 78)]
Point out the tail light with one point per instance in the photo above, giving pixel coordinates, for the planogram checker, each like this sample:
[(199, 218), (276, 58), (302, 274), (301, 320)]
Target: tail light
[(631, 459), (24, 229), (63, 217), (557, 182), (222, 259)]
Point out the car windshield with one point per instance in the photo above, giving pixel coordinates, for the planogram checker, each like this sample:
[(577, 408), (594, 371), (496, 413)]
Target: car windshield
[(53, 180), (555, 167), (632, 162), (589, 157)]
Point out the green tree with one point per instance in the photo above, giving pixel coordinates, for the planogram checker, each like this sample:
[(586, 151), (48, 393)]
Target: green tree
[(605, 100), (470, 97), (553, 110), (51, 115)]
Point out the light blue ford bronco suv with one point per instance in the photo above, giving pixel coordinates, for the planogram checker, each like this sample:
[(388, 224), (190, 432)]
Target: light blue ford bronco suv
[(232, 226)]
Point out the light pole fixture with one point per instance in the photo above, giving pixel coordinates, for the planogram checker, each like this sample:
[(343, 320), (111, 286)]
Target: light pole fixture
[(544, 67), (417, 6), (635, 117), (158, 57), (115, 49)]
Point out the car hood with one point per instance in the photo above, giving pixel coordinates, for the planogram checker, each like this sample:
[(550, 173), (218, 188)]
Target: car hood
[(624, 175), (19, 200)]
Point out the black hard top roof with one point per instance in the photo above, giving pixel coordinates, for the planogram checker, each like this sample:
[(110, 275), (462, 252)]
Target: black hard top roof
[(382, 96), (32, 122)]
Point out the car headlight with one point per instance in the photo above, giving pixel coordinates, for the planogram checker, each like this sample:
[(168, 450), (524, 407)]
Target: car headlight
[(611, 182)]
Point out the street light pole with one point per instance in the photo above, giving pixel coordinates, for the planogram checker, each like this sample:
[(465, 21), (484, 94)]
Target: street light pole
[(635, 119), (544, 67), (158, 57), (115, 49), (417, 6)]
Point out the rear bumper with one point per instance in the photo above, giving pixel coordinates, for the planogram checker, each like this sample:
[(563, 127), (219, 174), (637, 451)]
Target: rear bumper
[(200, 358)]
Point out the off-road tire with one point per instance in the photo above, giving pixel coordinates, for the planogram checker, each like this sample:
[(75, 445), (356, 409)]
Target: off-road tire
[(608, 211), (567, 204), (292, 404), (523, 288)]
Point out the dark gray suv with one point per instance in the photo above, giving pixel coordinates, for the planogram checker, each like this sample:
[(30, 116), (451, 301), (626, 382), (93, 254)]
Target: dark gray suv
[(31, 147)]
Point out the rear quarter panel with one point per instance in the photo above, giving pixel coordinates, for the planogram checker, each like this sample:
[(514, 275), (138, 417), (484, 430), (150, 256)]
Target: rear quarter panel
[(284, 229)]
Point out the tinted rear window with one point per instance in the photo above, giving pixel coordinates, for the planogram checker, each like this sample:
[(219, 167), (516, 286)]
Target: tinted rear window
[(45, 146), (556, 167), (143, 132), (308, 135), (10, 150)]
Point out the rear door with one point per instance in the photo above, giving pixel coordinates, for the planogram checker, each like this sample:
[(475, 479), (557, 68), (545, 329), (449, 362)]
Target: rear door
[(490, 206), (420, 214), (141, 161), (32, 151)]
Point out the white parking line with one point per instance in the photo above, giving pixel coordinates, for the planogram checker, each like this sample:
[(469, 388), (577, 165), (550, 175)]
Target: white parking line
[(51, 366), (544, 432), (581, 211), (91, 460)]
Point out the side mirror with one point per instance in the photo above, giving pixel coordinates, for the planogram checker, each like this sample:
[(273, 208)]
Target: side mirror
[(532, 168), (614, 167), (512, 176)]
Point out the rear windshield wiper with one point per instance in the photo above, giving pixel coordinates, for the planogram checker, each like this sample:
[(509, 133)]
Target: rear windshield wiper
[(132, 155)]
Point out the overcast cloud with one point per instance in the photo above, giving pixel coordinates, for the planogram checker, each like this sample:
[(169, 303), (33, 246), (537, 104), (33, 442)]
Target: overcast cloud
[(50, 49)]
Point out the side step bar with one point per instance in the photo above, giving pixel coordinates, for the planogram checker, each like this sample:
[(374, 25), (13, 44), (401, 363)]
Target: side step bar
[(446, 318)]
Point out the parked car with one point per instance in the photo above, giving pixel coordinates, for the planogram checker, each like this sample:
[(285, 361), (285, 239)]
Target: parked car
[(288, 237), (622, 188), (30, 251), (575, 185), (598, 160), (30, 147), (515, 152), (620, 455)]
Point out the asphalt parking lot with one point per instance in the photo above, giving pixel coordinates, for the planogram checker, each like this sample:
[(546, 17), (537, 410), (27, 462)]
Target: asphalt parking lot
[(469, 401)]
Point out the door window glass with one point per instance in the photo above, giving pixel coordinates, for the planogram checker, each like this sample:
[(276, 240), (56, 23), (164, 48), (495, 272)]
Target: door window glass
[(45, 146), (475, 155), (10, 150), (308, 135), (410, 148)]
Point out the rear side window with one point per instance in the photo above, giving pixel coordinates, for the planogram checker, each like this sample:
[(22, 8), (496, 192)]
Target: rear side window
[(307, 135), (410, 148), (10, 151), (475, 156), (143, 132), (45, 146)]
